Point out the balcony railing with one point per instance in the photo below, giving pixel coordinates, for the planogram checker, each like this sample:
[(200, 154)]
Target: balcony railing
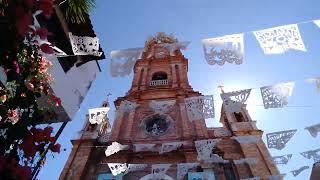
[(163, 82)]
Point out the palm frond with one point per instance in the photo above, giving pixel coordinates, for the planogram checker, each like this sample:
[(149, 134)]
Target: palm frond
[(77, 9)]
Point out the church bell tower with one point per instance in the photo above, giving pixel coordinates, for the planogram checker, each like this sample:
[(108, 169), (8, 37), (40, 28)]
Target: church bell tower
[(154, 137)]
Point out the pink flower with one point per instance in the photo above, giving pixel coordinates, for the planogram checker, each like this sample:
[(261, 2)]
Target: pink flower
[(42, 33), (30, 86), (16, 66), (13, 116), (46, 48)]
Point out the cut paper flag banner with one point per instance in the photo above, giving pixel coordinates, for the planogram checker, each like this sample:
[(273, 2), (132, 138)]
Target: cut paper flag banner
[(168, 147), (298, 171), (229, 48), (276, 96), (317, 82), (278, 140), (317, 22), (313, 130), (204, 150), (161, 107), (98, 115), (159, 170), (200, 107), (117, 168), (312, 154), (114, 148), (122, 61), (234, 101), (280, 39), (84, 45), (183, 169), (284, 159)]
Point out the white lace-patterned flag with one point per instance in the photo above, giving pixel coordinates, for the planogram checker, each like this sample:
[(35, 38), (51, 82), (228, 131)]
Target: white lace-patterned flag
[(199, 107), (159, 170), (122, 61), (284, 159), (313, 130), (183, 169), (117, 168), (172, 146), (276, 96), (98, 115), (204, 150), (234, 101), (223, 49), (162, 107), (84, 45), (298, 171), (278, 140), (114, 148), (173, 47), (317, 22), (312, 154), (280, 39)]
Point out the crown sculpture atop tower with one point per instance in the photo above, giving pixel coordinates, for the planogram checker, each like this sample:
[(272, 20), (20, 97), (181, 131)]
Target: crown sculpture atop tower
[(163, 45)]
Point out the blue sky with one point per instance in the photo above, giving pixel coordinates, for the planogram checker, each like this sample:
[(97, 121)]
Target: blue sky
[(126, 24)]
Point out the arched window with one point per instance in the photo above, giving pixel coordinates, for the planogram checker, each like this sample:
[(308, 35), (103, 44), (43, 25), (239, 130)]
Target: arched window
[(159, 76)]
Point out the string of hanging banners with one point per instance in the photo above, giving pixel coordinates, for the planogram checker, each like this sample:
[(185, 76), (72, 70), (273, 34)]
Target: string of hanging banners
[(276, 40)]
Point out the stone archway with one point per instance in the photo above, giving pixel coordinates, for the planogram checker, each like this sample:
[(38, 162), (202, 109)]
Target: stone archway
[(150, 177)]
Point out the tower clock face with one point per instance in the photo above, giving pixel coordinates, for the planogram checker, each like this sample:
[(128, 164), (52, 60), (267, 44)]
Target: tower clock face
[(157, 124)]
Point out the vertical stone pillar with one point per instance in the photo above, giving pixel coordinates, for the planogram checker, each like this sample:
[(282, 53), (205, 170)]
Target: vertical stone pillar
[(174, 76), (129, 125)]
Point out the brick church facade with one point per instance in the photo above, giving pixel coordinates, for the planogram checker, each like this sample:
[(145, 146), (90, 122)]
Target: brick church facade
[(160, 75)]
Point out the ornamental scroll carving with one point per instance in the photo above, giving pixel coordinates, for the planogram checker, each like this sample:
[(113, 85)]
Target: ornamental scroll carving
[(313, 130), (284, 159), (136, 167), (98, 115), (162, 107), (280, 39), (278, 140), (312, 154), (276, 96), (122, 61), (183, 169), (223, 49), (114, 148), (84, 45), (200, 107), (172, 146), (126, 106), (144, 147), (234, 101)]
